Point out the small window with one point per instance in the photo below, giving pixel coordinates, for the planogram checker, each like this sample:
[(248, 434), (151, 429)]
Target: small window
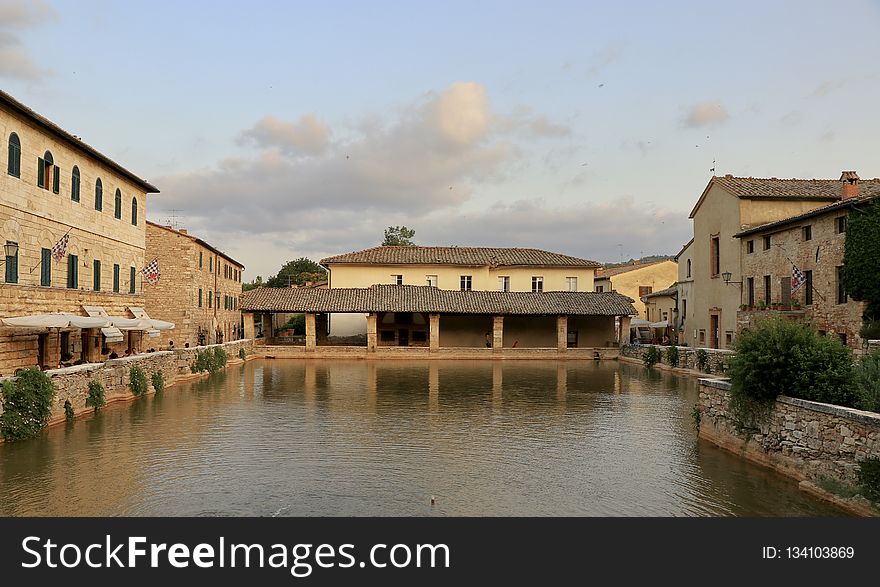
[(397, 279), (767, 243), (72, 271), (466, 282), (13, 165), (808, 288), (767, 289), (132, 282), (600, 288), (842, 336), (645, 290), (218, 302), (115, 278), (750, 291), (134, 211), (74, 184), (12, 265), (117, 205), (210, 298), (211, 264), (572, 283), (750, 246), (702, 337), (96, 275), (728, 338), (840, 224), (689, 268), (200, 297), (503, 283), (537, 284), (99, 195), (842, 297), (45, 175), (715, 258), (200, 259), (46, 267), (807, 232)]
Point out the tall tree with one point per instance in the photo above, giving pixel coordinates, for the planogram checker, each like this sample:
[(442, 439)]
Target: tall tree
[(399, 236), (258, 282), (297, 272), (860, 254)]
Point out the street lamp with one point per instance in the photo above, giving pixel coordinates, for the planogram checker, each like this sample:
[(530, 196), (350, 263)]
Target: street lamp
[(11, 250), (726, 277)]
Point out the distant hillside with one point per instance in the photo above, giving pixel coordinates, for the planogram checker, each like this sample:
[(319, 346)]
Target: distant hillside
[(648, 259)]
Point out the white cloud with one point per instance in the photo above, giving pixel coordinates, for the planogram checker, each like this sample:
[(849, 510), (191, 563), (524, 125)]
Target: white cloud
[(308, 135), (16, 15), (705, 114)]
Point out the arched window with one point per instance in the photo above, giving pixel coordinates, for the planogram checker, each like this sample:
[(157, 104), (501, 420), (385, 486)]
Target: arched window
[(134, 211), (14, 161), (99, 195), (48, 173), (117, 207), (74, 184)]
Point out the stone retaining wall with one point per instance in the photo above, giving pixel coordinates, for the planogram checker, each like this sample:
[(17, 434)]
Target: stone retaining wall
[(390, 352), (718, 359), (802, 439)]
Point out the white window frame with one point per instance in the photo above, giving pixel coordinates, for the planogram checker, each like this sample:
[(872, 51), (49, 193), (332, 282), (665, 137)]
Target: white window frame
[(431, 280), (466, 279), (572, 283), (537, 283), (503, 283), (397, 279)]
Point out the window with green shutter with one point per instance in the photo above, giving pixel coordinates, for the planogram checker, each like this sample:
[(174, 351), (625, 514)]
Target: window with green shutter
[(12, 266), (134, 211), (73, 271), (99, 195), (117, 205), (56, 179), (210, 298), (74, 184), (13, 164), (200, 297), (96, 275), (131, 282), (46, 267), (115, 278)]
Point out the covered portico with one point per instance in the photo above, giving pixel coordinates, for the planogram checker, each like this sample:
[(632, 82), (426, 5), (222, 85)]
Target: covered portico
[(427, 319)]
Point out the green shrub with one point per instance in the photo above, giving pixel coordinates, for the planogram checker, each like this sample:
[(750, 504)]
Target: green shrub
[(158, 380), (703, 361), (220, 358), (96, 395), (780, 356), (672, 356), (868, 379), (869, 478), (68, 411), (137, 381), (870, 330), (241, 353), (210, 361), (27, 403), (202, 362), (652, 356)]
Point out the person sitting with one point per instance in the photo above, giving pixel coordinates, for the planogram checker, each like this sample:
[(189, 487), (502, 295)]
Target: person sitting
[(113, 355), (127, 352)]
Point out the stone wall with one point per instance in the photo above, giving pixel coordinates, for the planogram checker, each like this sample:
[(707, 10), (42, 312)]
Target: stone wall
[(803, 439), (718, 359)]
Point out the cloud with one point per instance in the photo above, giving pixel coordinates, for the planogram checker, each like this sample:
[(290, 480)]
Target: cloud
[(828, 86), (705, 114), (308, 135), (16, 15)]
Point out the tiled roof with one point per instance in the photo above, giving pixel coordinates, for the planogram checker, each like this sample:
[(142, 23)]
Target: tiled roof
[(669, 291), (467, 256), (423, 298), (197, 240), (612, 271), (862, 199)]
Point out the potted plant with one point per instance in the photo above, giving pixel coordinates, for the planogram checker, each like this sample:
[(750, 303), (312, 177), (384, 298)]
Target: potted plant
[(762, 305), (796, 304)]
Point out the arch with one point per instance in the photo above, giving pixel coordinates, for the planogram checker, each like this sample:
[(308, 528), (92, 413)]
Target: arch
[(13, 166), (117, 205), (45, 166), (99, 195), (74, 184), (47, 157), (134, 211)]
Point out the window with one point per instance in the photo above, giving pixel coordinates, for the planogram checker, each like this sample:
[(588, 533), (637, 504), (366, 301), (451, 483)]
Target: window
[(465, 282), (99, 195), (13, 165), (200, 260), (702, 337), (134, 211), (397, 279), (503, 283), (211, 264), (767, 291), (48, 173), (12, 266), (73, 271), (689, 268), (117, 205), (842, 298), (537, 284), (116, 278), (645, 290), (46, 267), (842, 336), (432, 280), (218, 301), (684, 310), (74, 184), (715, 256), (767, 243), (96, 274), (600, 288), (808, 288), (572, 283), (728, 338), (210, 298), (840, 224), (807, 232), (750, 246), (750, 291), (200, 297), (132, 281)]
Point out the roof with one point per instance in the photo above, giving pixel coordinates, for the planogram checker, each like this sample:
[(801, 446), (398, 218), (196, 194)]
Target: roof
[(197, 240), (669, 291), (73, 141), (683, 249), (831, 208), (424, 298), (612, 271), (467, 256), (756, 188)]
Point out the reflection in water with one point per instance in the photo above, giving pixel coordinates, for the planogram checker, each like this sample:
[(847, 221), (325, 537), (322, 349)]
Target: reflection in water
[(379, 438)]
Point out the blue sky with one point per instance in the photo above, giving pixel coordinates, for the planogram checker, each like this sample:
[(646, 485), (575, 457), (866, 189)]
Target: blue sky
[(287, 129)]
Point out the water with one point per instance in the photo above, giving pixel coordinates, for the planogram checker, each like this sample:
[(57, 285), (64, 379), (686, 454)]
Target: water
[(332, 438)]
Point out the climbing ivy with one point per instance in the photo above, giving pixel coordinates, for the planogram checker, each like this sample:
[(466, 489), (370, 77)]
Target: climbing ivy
[(861, 251)]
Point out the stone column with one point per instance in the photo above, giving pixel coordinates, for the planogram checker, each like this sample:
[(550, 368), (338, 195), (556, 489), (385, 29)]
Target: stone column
[(562, 333), (371, 333), (311, 340), (90, 354), (623, 336), (249, 327), (434, 332), (497, 333)]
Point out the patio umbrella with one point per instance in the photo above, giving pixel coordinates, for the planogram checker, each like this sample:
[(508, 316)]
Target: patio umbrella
[(55, 320)]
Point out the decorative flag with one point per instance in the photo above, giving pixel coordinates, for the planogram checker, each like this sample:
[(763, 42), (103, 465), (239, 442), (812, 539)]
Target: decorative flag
[(151, 271), (60, 248), (797, 278)]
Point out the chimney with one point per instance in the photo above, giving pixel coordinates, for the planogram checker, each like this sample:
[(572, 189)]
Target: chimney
[(182, 231), (849, 181)]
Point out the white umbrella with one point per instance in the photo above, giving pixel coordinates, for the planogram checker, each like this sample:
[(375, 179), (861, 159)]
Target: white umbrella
[(129, 323), (56, 320), (161, 324)]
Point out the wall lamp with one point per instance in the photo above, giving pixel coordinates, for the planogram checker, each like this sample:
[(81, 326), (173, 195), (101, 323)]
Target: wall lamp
[(726, 277), (11, 250)]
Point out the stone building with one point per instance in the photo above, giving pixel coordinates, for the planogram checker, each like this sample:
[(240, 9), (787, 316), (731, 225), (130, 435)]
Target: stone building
[(661, 310), (637, 279), (56, 185), (199, 288), (814, 243), (685, 294)]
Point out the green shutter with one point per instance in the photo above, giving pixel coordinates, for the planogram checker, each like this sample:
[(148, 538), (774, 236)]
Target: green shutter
[(56, 180), (200, 297), (41, 173), (72, 271), (96, 275), (131, 285), (115, 278), (46, 267), (12, 268)]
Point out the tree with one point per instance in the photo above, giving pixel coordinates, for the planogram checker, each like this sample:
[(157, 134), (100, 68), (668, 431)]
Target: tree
[(258, 282), (398, 236), (297, 272), (860, 253)]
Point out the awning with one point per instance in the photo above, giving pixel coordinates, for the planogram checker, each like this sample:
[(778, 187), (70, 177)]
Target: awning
[(111, 333), (55, 320), (157, 325), (661, 324), (638, 322)]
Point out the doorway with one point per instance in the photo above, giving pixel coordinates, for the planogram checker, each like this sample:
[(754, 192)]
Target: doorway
[(403, 337), (713, 331)]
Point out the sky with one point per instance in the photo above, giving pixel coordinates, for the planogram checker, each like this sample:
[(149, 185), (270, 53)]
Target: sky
[(277, 130)]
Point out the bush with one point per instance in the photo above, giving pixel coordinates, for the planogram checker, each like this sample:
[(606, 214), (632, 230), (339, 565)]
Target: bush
[(780, 356), (158, 380), (703, 361), (27, 403), (870, 330), (867, 373), (672, 356), (869, 478), (96, 395), (68, 411), (137, 381), (652, 356), (220, 358), (241, 353), (210, 361)]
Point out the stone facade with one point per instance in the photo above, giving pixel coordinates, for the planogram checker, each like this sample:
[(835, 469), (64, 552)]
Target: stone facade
[(803, 439), (198, 290), (105, 243), (685, 287)]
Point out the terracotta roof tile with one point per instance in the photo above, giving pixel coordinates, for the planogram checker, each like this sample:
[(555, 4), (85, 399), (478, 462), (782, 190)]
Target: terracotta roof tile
[(612, 271), (467, 256), (800, 189), (862, 199)]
